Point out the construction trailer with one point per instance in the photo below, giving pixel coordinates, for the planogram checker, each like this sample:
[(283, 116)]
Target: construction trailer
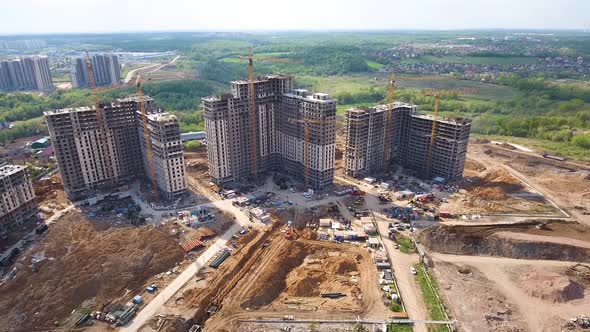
[(295, 132)]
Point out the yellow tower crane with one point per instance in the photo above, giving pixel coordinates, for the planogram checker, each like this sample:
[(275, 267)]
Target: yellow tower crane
[(432, 132), (307, 137), (148, 141), (252, 105), (389, 120), (103, 147), (253, 116)]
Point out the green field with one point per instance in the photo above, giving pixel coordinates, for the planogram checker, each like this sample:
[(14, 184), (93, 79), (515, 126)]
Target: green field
[(339, 84), (431, 299), (472, 89), (374, 65), (564, 149), (354, 83)]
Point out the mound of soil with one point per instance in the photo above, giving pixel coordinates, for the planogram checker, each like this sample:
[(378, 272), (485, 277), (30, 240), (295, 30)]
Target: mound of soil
[(272, 282), (320, 273), (483, 241), (84, 260), (551, 287), (494, 185)]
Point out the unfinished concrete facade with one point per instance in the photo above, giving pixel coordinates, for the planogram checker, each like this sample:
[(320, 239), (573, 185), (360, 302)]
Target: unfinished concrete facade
[(410, 144), (282, 116), (87, 163), (449, 150), (365, 141), (164, 134), (17, 197)]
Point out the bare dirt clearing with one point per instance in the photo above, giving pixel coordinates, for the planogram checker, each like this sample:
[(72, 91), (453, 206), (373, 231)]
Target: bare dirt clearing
[(508, 294), (83, 260)]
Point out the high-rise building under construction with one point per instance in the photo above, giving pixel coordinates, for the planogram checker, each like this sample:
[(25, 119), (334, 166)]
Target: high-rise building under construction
[(88, 162), (295, 132), (411, 138)]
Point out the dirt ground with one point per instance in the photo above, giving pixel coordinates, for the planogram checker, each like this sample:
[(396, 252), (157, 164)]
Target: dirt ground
[(492, 190), (513, 295), (83, 260), (565, 182), (488, 311), (559, 240), (268, 275)]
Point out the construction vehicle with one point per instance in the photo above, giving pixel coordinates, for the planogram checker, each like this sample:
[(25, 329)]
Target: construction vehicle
[(291, 233), (426, 197), (389, 119), (148, 141), (553, 157)]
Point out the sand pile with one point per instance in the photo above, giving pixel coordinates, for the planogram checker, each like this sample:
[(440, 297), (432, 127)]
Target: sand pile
[(272, 281), (84, 260), (323, 272), (495, 185), (551, 287)]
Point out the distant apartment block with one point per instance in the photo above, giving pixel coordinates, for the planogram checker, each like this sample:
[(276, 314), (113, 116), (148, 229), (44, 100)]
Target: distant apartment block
[(105, 67), (17, 197), (25, 74), (283, 116), (411, 137), (89, 161)]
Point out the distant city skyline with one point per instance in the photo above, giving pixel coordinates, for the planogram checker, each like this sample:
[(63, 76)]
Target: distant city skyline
[(104, 16)]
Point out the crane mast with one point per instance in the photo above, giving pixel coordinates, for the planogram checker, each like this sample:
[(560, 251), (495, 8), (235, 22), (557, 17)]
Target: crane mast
[(148, 141), (432, 132), (104, 155), (389, 120), (253, 117)]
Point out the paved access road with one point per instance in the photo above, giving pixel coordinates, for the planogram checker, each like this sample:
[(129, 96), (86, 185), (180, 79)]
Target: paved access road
[(152, 308)]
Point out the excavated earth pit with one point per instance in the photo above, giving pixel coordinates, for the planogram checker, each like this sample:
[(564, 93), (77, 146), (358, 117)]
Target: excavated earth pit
[(559, 240)]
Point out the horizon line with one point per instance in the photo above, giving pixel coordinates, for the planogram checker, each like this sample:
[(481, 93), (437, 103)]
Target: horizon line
[(254, 31)]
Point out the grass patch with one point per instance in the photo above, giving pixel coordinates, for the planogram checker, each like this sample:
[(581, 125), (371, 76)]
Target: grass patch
[(374, 65), (339, 83), (191, 145), (473, 90), (399, 328), (341, 108), (406, 245), (564, 149), (431, 299)]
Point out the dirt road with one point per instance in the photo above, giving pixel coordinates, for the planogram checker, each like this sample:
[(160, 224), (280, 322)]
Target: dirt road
[(408, 287), (155, 67), (34, 235), (539, 315), (156, 304), (556, 197)]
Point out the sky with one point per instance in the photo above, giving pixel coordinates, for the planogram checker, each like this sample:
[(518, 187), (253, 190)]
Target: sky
[(80, 16)]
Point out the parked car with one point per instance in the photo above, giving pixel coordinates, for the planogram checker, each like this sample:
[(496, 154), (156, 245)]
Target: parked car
[(41, 229), (413, 270)]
